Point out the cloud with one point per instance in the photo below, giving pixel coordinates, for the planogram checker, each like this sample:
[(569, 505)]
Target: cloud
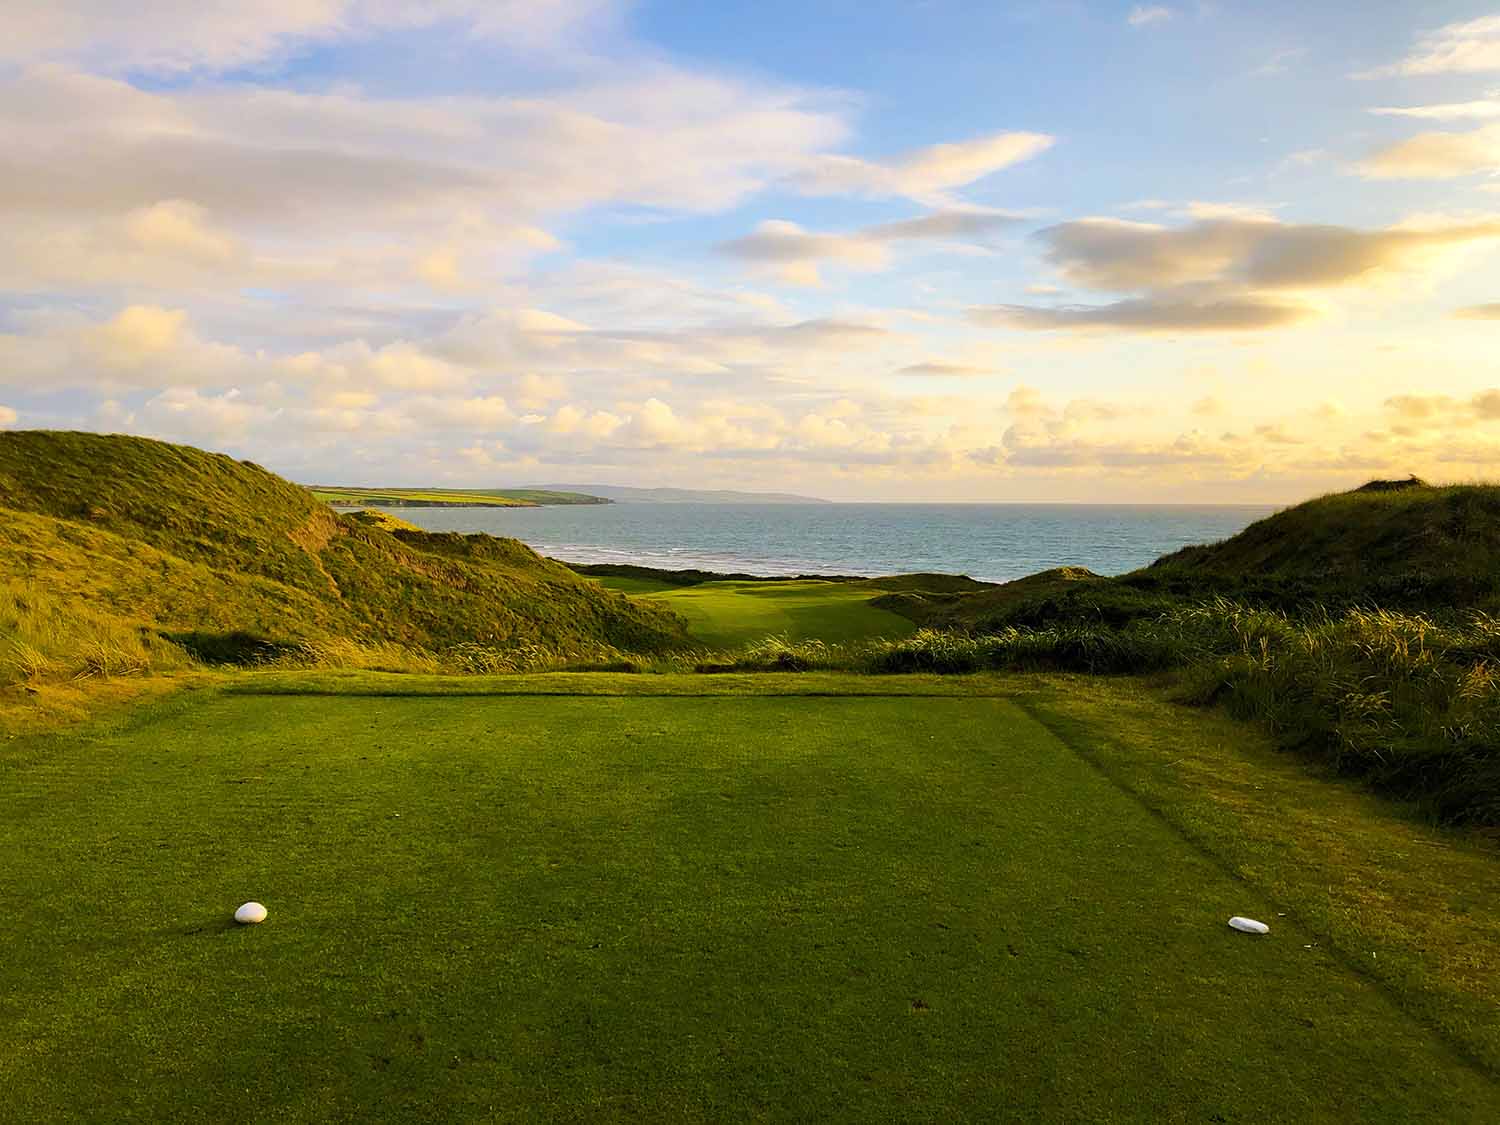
[(1279, 63), (1449, 111), (1208, 406), (954, 224), (7, 416), (1112, 254), (482, 412), (1230, 274), (179, 35), (940, 369), (1417, 412), (1030, 450), (1026, 400), (139, 333), (1436, 156), (1480, 312), (1456, 48), (1275, 434), (1149, 314), (793, 254), (925, 174), (233, 186), (1144, 14)]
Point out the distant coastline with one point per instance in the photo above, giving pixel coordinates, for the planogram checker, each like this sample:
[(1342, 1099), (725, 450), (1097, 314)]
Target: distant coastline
[(625, 495)]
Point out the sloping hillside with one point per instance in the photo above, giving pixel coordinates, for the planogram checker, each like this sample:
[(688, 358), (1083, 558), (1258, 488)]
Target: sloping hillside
[(194, 543), (1399, 543)]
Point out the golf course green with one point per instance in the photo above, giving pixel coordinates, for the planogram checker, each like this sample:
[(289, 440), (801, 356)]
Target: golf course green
[(794, 898), (730, 614)]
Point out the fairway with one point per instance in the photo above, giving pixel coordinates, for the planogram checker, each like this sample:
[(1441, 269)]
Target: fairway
[(731, 614), (700, 907)]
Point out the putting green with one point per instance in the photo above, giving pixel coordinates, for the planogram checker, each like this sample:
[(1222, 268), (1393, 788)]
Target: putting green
[(683, 908), (731, 614)]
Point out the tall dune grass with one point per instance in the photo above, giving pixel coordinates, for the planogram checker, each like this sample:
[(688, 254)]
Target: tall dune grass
[(47, 638)]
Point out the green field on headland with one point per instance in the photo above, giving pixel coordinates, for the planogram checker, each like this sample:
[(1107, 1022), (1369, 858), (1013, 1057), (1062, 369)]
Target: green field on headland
[(689, 898), (449, 497)]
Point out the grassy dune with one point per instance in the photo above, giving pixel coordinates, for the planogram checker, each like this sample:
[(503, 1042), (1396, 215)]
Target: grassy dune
[(233, 563), (702, 906)]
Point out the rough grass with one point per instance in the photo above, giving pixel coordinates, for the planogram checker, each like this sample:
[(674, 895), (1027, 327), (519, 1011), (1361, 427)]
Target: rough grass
[(44, 639), (185, 542), (1420, 547), (709, 908)]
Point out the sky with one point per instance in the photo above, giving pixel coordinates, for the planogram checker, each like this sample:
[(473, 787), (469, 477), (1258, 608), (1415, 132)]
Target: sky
[(1219, 251)]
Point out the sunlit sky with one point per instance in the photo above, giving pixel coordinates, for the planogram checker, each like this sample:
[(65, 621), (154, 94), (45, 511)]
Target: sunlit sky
[(864, 249)]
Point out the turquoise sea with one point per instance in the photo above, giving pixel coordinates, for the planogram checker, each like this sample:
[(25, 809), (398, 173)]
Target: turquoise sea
[(987, 541)]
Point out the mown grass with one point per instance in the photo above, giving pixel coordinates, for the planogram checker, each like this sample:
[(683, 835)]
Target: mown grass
[(731, 614), (1410, 706), (696, 907)]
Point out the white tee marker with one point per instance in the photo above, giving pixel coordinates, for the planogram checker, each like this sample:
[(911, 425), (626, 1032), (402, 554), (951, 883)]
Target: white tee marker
[(1246, 925), (250, 913)]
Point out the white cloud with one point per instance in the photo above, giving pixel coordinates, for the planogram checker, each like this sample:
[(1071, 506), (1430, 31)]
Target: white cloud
[(225, 187), (1448, 111), (1143, 14), (925, 174), (486, 412), (1456, 48), (177, 35), (1280, 62), (7, 416), (1437, 156), (793, 253)]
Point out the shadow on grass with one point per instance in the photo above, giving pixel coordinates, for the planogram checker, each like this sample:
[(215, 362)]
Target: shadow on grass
[(215, 926)]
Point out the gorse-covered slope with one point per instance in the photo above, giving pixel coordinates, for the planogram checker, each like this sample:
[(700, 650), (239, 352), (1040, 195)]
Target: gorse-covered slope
[(198, 545)]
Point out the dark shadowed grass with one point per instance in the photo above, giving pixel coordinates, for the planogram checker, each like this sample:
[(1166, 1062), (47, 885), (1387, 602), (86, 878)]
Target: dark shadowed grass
[(690, 908)]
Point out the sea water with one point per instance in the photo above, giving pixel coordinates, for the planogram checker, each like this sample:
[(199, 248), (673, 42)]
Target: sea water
[(993, 542)]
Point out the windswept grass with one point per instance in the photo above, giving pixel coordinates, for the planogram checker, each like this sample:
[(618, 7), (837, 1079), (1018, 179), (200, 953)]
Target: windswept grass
[(142, 537), (44, 639)]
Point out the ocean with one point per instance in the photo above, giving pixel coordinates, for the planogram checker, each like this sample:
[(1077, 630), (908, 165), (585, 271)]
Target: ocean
[(993, 542)]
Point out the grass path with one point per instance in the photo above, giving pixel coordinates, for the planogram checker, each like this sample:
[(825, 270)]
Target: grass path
[(688, 907), (731, 614)]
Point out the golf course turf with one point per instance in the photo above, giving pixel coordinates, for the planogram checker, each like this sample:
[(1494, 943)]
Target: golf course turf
[(668, 898), (730, 614)]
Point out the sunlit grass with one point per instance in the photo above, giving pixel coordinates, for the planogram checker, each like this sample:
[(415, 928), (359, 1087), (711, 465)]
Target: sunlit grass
[(686, 903)]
